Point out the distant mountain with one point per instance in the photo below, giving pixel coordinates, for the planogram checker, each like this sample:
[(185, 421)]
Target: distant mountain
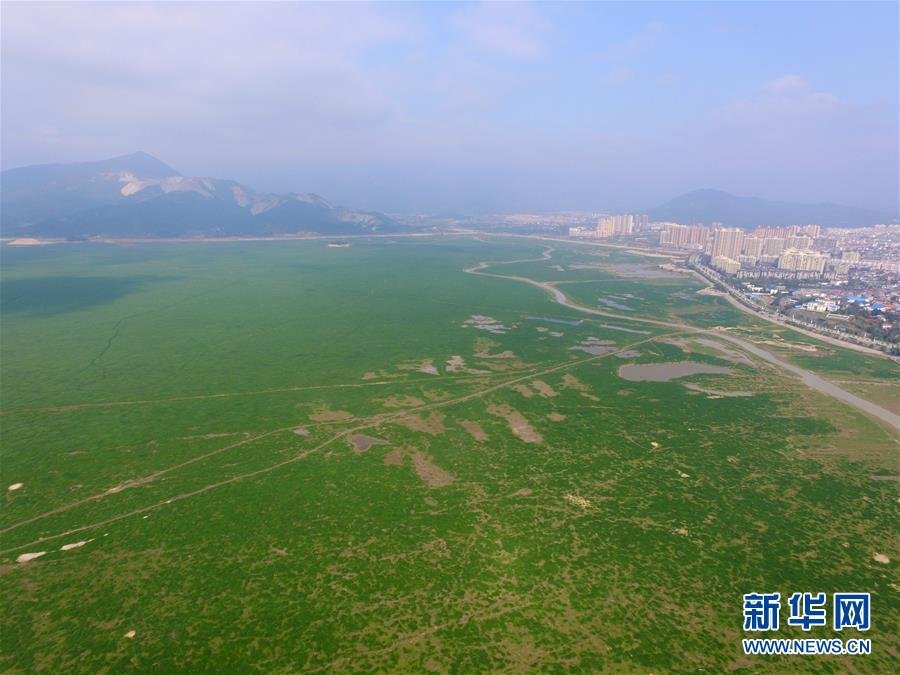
[(139, 196), (715, 206)]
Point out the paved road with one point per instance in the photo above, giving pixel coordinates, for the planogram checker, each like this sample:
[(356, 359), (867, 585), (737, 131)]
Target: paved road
[(808, 378)]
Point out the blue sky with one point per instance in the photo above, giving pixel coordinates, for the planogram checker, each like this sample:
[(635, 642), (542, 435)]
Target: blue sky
[(469, 107)]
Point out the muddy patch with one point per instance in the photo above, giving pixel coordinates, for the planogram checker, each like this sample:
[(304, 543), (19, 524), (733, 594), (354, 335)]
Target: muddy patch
[(594, 346), (663, 372), (550, 319), (572, 382), (361, 442), (716, 392), (624, 330), (628, 354), (614, 305), (433, 475), (517, 423), (474, 429)]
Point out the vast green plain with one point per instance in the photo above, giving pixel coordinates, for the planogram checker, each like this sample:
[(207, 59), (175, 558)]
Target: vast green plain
[(285, 456)]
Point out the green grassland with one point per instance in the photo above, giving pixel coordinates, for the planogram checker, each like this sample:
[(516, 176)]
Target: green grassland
[(188, 411)]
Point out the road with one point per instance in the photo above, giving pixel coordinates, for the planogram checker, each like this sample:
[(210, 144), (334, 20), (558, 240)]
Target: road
[(808, 378)]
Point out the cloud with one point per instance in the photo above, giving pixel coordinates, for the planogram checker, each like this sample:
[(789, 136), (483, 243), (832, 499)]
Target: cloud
[(509, 29), (635, 45), (786, 99)]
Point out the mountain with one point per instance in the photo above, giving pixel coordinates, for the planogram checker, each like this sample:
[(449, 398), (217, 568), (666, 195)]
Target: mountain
[(715, 206), (137, 195)]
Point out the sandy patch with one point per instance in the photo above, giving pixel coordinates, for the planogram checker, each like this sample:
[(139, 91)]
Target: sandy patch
[(361, 442), (881, 558), (663, 372), (433, 475), (654, 445), (578, 501), (593, 346), (572, 382), (543, 388), (523, 389), (130, 634), (487, 323), (26, 557), (15, 486), (394, 457), (77, 544), (556, 417), (541, 329), (433, 424), (517, 423), (428, 368), (457, 363), (474, 428), (710, 291), (402, 402), (301, 431), (524, 492), (369, 376), (325, 414), (681, 531)]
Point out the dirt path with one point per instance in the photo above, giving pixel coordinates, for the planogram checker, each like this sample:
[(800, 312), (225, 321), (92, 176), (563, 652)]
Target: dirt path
[(368, 423), (808, 378)]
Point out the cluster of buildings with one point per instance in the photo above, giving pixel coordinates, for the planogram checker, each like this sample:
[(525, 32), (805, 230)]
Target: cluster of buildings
[(790, 252), (611, 226)]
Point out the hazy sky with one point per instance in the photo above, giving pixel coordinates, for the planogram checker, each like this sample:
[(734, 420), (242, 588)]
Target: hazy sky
[(468, 106)]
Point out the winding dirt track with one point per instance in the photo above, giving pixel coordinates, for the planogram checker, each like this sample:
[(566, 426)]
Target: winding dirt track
[(808, 378)]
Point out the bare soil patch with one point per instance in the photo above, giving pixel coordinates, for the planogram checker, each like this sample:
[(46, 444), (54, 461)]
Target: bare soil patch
[(433, 475), (394, 457), (402, 402), (433, 424), (474, 428), (301, 431), (543, 388), (523, 389), (556, 417), (517, 423)]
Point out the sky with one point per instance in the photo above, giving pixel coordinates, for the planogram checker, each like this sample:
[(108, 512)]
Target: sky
[(471, 107)]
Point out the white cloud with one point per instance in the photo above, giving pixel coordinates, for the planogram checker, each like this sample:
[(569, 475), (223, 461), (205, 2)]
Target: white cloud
[(510, 29)]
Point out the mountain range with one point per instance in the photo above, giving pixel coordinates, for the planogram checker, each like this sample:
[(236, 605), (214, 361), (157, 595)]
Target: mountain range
[(137, 195), (715, 206)]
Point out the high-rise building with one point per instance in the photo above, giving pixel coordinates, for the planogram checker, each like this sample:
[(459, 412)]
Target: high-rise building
[(753, 247), (802, 261), (773, 246), (727, 242), (800, 241)]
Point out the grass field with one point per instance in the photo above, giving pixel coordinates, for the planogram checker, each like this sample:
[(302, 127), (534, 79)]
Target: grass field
[(197, 415)]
